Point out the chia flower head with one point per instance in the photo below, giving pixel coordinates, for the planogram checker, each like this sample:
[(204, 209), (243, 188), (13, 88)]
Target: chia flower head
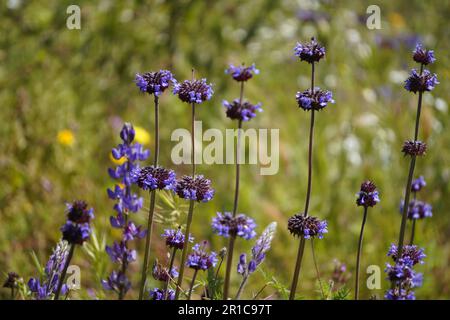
[(422, 55), (199, 259), (161, 273), (414, 148), (418, 209), (241, 111), (224, 224), (11, 280), (78, 212), (316, 100), (411, 254), (197, 188), (193, 91), (158, 294), (399, 272), (310, 52), (117, 281), (75, 233), (242, 73), (399, 294), (418, 184), (151, 178), (175, 238), (421, 83), (307, 226), (154, 82), (368, 195)]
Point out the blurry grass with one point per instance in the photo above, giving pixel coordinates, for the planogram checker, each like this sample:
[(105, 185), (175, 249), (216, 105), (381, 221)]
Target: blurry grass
[(55, 79)]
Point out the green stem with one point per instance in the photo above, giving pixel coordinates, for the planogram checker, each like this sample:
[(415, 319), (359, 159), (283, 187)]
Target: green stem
[(192, 284), (166, 285), (64, 271), (298, 264), (241, 287), (316, 266), (358, 256)]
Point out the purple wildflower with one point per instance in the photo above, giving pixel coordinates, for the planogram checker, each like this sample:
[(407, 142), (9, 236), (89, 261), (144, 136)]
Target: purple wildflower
[(131, 232), (242, 73), (418, 184), (399, 294), (161, 273), (316, 100), (193, 91), (224, 224), (199, 259), (151, 178), (75, 233), (197, 188), (11, 280), (116, 281), (421, 82), (411, 254), (175, 238), (423, 56), (241, 111), (159, 294), (418, 209), (414, 148), (119, 253), (310, 52), (154, 82), (307, 226), (78, 212), (368, 195)]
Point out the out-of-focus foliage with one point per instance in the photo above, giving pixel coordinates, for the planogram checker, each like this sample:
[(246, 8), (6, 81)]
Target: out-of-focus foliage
[(65, 94)]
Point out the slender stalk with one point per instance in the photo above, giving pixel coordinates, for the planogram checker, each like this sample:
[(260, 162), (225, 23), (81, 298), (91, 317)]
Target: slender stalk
[(259, 292), (64, 271), (241, 287), (358, 256), (316, 266), (192, 284), (301, 247), (156, 158), (413, 229), (229, 265), (172, 260)]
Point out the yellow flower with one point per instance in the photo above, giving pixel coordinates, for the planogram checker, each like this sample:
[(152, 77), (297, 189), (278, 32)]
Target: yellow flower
[(142, 136), (117, 161), (66, 137)]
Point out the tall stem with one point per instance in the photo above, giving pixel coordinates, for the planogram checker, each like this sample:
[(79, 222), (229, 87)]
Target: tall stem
[(358, 256), (241, 287), (413, 231), (301, 247), (64, 271), (156, 158), (185, 249), (172, 259), (316, 266), (192, 284)]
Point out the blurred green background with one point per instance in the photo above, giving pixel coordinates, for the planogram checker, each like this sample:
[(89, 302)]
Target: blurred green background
[(65, 94)]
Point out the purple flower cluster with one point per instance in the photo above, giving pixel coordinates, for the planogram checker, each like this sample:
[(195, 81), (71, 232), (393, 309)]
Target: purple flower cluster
[(161, 273), (307, 226), (241, 111), (259, 251), (423, 56), (242, 73), (421, 82), (199, 259), (197, 188), (310, 52), (414, 148), (44, 288), (401, 273), (316, 100), (368, 195), (418, 210), (224, 224), (154, 82), (151, 178), (193, 91), (418, 184), (175, 238), (127, 202), (77, 228), (159, 294)]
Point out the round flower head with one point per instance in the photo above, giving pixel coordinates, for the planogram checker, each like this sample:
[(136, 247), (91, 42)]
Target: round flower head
[(193, 91), (154, 82), (418, 210), (421, 83), (309, 52), (151, 178), (161, 273), (242, 73), (399, 272), (418, 184), (399, 294), (316, 100), (175, 238), (422, 55), (307, 227), (244, 111), (368, 195), (414, 148), (75, 233), (197, 188), (159, 294), (78, 212), (241, 225), (411, 254), (199, 259)]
